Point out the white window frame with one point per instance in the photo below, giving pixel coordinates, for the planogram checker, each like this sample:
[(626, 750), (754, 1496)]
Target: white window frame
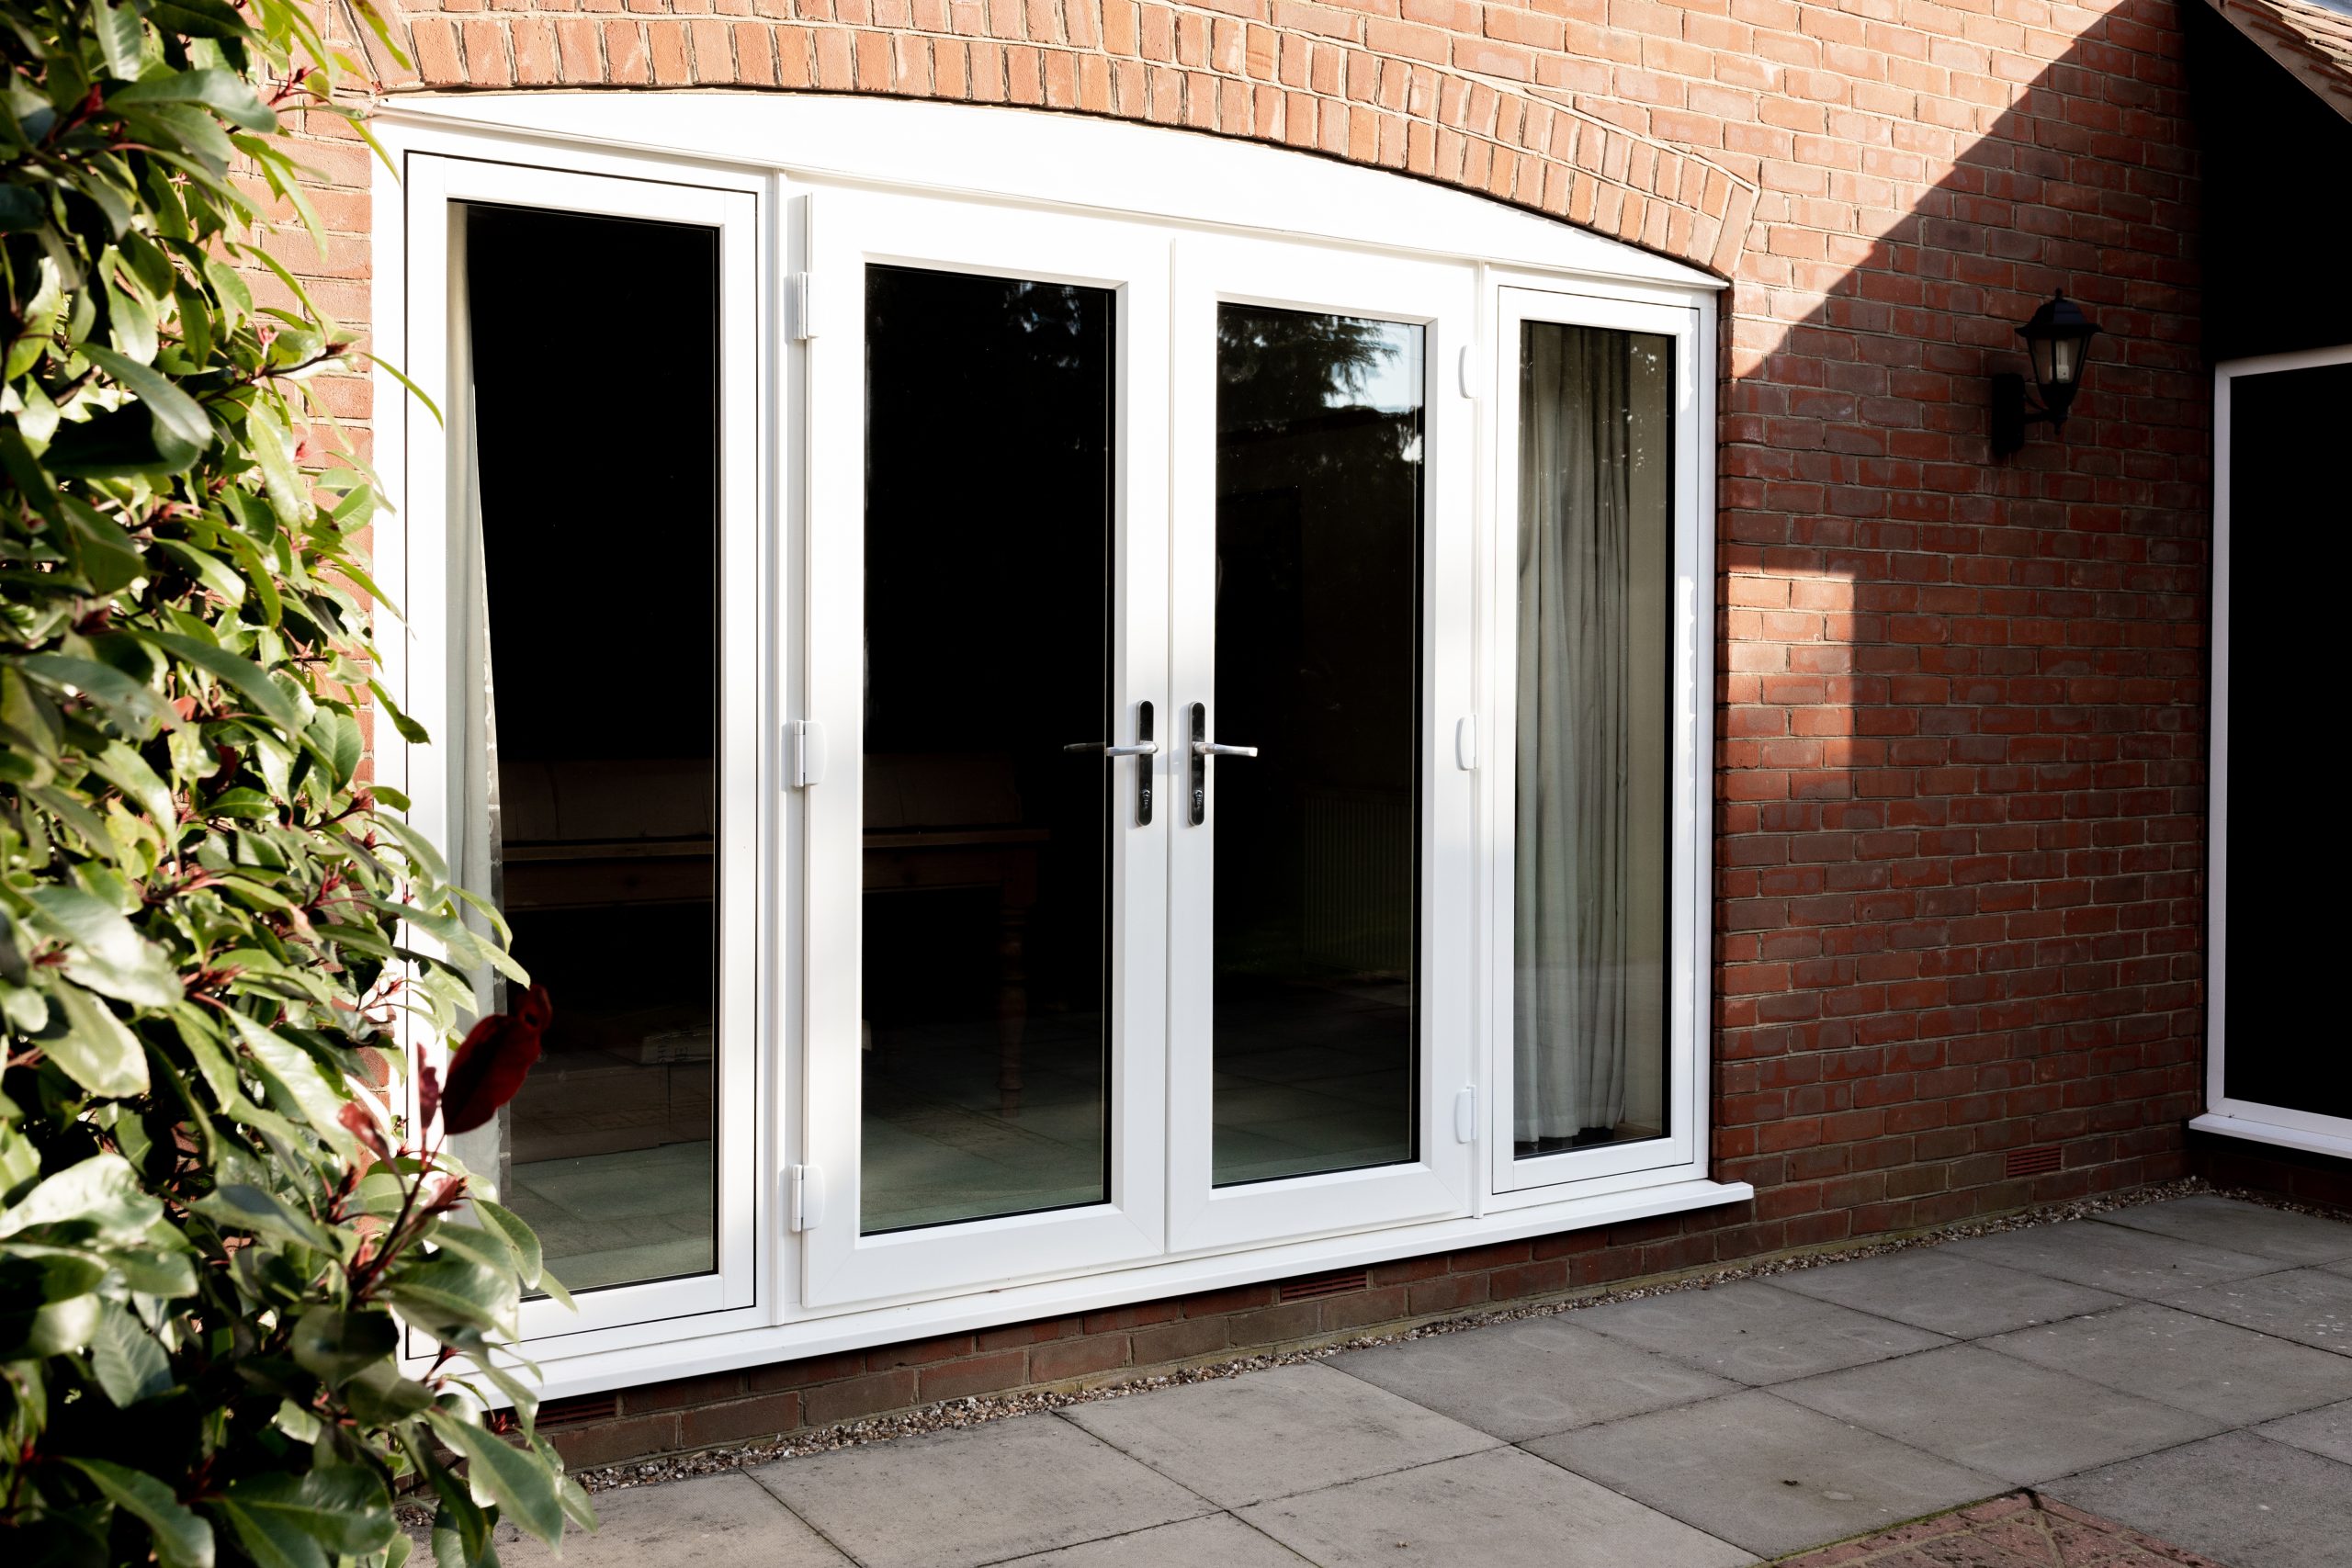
[(2274, 1124), (780, 151), (413, 558), (1522, 298)]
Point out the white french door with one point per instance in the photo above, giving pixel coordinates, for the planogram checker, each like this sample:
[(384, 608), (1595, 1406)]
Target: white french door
[(986, 1018), (1320, 884), (1138, 635)]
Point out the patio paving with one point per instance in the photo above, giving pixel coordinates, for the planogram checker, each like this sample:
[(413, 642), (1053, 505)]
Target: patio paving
[(2180, 1370)]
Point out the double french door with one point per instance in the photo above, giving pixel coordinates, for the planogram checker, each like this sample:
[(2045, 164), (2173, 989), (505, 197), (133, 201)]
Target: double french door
[(1138, 641)]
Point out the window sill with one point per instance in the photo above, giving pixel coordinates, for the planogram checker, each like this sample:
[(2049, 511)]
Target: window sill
[(2311, 1142), (597, 1372)]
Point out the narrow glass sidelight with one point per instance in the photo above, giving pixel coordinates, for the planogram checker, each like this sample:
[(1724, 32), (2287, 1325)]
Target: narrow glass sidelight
[(992, 751), (1591, 787), (584, 787), (1312, 782)]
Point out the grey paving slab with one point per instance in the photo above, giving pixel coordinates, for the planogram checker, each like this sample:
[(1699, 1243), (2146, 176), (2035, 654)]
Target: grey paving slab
[(1994, 1412), (2110, 1258), (1503, 1508), (1766, 1474), (2311, 1305), (1529, 1377), (717, 1521), (1243, 1439), (1754, 1332), (1935, 1289), (2237, 1498), (2326, 1431), (979, 1494), (2241, 1227), (1219, 1540), (2232, 1374)]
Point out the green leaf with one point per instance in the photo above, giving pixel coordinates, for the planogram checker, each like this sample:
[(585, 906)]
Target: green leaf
[(102, 552), (101, 1192), (103, 685), (182, 1538), (119, 35), (207, 569), (450, 1291), (128, 1364), (107, 952), (97, 1051), (241, 1206), (174, 412), (339, 1344), (225, 93), (518, 1236), (305, 1521), (521, 1484), (241, 674), (21, 208), (129, 771)]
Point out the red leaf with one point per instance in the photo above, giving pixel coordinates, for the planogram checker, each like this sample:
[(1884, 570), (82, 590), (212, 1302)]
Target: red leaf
[(428, 1092), (362, 1126), (489, 1066)]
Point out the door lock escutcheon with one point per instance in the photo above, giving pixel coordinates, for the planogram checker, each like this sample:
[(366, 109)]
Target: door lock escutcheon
[(1202, 749)]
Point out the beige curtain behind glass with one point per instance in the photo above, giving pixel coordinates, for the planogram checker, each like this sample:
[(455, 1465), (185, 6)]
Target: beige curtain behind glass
[(1594, 511), (472, 748)]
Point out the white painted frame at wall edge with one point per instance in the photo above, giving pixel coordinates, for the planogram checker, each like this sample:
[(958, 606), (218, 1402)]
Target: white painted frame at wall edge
[(1681, 1154), (776, 147), (2274, 1124), (411, 554)]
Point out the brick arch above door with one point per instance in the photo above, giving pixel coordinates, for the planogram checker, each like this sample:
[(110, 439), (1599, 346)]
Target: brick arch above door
[(1452, 106)]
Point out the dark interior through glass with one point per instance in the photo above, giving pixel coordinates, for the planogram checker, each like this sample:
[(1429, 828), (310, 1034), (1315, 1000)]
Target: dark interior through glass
[(2287, 433), (988, 518), (600, 535), (1318, 540)]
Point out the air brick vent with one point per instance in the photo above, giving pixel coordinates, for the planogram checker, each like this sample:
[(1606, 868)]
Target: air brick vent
[(1314, 1287), (2034, 1162)]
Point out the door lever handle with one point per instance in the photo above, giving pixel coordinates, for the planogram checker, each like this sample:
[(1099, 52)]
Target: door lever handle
[(1219, 749), (1141, 749)]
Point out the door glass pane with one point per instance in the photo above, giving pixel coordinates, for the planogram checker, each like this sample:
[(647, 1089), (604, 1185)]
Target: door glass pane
[(583, 790), (2287, 439), (1596, 513), (987, 656), (1318, 528)]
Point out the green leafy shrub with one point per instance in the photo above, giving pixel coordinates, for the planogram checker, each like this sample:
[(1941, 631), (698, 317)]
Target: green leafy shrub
[(207, 1222)]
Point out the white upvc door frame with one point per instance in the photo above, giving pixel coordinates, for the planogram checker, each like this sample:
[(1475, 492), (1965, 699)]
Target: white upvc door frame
[(1681, 1154), (847, 231), (1442, 297), (2276, 1124), (414, 564)]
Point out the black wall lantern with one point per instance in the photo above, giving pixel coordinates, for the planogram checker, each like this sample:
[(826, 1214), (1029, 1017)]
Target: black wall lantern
[(2058, 340)]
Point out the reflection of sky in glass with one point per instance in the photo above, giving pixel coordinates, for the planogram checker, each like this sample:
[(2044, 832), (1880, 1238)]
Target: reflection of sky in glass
[(1392, 382)]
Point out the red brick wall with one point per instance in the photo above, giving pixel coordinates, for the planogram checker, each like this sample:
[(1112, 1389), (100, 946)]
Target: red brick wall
[(1961, 798)]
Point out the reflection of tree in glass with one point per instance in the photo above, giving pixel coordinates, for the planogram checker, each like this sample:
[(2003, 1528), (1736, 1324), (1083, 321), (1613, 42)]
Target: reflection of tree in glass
[(1273, 363)]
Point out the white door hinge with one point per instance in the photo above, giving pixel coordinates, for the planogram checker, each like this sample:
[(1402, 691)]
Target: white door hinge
[(804, 1197), (804, 744), (800, 294), (1466, 743), (1466, 1114)]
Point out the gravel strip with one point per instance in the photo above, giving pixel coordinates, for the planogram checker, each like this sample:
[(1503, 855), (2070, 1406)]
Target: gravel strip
[(973, 1412)]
